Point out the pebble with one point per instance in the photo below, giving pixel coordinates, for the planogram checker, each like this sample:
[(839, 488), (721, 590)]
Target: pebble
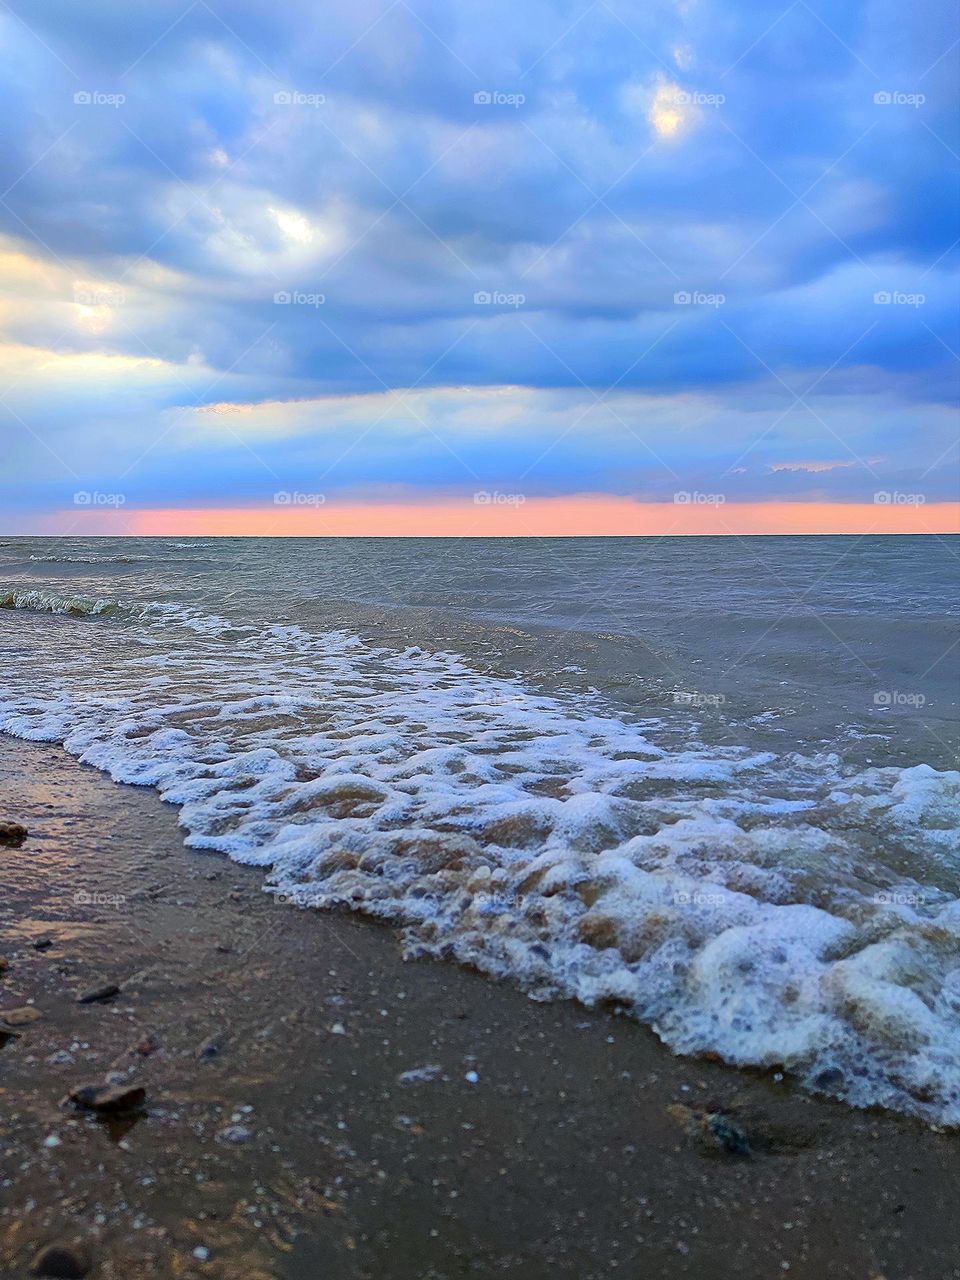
[(727, 1134), (21, 1017), (108, 1099), (12, 834), (421, 1075), (57, 1260), (210, 1048), (235, 1133), (93, 995), (43, 944)]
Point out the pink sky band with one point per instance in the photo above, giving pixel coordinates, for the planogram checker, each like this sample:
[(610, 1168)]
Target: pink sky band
[(506, 516)]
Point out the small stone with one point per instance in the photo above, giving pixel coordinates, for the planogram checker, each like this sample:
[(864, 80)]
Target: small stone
[(43, 944), (95, 995), (12, 834), (421, 1075), (21, 1017), (108, 1099), (147, 1044), (211, 1048), (471, 1077), (726, 1134), (51, 1141), (61, 1262), (235, 1133), (201, 1253)]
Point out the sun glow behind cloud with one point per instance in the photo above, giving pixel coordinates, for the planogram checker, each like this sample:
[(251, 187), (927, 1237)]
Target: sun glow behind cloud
[(593, 276)]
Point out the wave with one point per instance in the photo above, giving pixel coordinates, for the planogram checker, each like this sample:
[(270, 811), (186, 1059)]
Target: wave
[(780, 911), (48, 602), (90, 559), (121, 559)]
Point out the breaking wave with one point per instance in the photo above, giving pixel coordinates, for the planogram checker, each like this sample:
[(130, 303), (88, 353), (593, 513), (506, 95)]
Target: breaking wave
[(778, 910), (49, 602)]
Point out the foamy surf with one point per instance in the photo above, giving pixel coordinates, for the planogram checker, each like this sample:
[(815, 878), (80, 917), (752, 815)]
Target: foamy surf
[(50, 602), (779, 910)]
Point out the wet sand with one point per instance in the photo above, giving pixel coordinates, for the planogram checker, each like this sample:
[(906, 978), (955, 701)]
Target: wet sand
[(549, 1140)]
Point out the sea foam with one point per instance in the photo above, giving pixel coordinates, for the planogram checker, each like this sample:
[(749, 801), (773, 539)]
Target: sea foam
[(780, 910)]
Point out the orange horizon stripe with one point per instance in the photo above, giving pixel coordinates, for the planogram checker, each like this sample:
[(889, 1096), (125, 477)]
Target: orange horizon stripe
[(582, 515)]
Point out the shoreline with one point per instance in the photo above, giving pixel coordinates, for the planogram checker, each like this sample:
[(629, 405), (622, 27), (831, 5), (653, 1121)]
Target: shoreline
[(582, 1148)]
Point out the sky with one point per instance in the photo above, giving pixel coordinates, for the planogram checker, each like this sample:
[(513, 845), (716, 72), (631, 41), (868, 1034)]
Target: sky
[(434, 266)]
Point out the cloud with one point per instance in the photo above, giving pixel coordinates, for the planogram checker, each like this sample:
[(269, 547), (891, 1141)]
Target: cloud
[(173, 174), (814, 468)]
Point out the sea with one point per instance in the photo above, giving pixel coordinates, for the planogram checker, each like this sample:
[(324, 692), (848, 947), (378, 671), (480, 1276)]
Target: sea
[(707, 783)]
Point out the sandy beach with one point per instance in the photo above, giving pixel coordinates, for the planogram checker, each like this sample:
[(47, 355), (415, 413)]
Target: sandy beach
[(317, 1107)]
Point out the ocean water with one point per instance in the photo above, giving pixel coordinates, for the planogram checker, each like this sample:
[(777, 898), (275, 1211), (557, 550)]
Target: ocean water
[(709, 782)]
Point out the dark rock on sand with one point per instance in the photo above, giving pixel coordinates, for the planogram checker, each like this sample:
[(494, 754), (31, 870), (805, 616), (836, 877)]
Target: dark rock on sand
[(108, 1099), (716, 1132), (59, 1260), (21, 1017), (43, 944), (726, 1134), (147, 1044), (211, 1048), (234, 1133), (12, 834), (95, 995)]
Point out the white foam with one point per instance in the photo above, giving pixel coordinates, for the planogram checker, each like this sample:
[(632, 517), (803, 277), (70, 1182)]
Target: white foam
[(775, 910), (49, 602)]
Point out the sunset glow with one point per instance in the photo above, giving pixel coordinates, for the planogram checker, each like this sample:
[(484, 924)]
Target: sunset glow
[(595, 515)]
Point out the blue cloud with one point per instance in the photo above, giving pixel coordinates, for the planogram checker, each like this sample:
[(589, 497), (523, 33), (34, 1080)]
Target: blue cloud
[(689, 200)]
